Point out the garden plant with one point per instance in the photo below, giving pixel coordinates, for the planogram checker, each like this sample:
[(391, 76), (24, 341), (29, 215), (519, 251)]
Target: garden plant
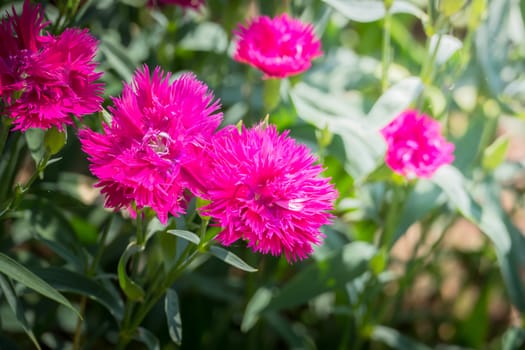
[(262, 174)]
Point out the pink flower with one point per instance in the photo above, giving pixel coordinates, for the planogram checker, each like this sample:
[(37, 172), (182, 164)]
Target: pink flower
[(194, 4), (45, 79), (265, 189), (152, 149), (279, 47), (416, 147)]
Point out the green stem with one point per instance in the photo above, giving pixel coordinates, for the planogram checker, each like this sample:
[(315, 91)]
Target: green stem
[(395, 206), (386, 59), (4, 132)]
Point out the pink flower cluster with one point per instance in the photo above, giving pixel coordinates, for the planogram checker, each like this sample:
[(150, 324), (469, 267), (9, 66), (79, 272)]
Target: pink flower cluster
[(267, 190), (415, 146), (262, 187), (279, 47), (154, 145), (45, 79)]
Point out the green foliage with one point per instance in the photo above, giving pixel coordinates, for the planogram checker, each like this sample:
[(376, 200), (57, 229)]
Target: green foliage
[(406, 263)]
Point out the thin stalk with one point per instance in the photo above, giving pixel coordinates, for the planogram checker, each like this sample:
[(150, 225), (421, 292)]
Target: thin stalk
[(386, 57), (4, 132), (77, 340)]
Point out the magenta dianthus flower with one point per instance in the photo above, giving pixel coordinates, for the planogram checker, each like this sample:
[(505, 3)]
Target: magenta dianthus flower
[(44, 79), (153, 148), (267, 190), (279, 47), (194, 4), (415, 146)]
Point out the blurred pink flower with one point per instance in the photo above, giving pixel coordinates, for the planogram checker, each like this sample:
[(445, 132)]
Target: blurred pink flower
[(45, 79), (153, 146), (415, 146), (265, 189), (279, 47), (194, 4)]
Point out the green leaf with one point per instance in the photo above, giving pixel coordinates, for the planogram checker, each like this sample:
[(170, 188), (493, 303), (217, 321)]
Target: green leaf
[(295, 335), (132, 290), (19, 273), (503, 235), (35, 142), (54, 140), (171, 308), (257, 303), (395, 340), (396, 99), (63, 251), (513, 339), (370, 11), (495, 154), (147, 338), (207, 36), (187, 235), (18, 309), (325, 275), (73, 282), (117, 57), (231, 259), (448, 45), (134, 3)]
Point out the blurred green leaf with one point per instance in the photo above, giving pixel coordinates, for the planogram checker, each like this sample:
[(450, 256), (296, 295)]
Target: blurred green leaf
[(147, 338), (207, 36), (325, 275), (18, 309), (396, 99), (187, 235), (132, 290), (171, 308), (257, 303), (490, 222), (513, 339), (135, 3), (295, 335), (54, 140), (73, 282), (64, 252), (231, 259), (495, 154), (35, 142), (370, 11), (117, 57), (19, 273), (395, 339), (448, 45)]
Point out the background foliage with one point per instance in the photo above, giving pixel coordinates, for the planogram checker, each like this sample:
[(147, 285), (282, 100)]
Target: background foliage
[(435, 263)]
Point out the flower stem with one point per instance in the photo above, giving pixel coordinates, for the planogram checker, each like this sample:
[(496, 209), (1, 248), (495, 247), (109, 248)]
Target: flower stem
[(4, 132), (385, 57)]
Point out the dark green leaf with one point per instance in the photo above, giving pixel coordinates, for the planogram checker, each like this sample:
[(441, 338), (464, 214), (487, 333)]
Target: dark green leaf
[(19, 273), (147, 338), (72, 282), (171, 308), (18, 309), (230, 258), (322, 276)]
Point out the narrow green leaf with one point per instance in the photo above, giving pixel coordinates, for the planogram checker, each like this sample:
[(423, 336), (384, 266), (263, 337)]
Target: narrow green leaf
[(257, 303), (395, 339), (147, 338), (18, 309), (72, 282), (230, 258), (171, 308), (187, 235), (295, 335), (19, 273), (132, 290), (495, 154)]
